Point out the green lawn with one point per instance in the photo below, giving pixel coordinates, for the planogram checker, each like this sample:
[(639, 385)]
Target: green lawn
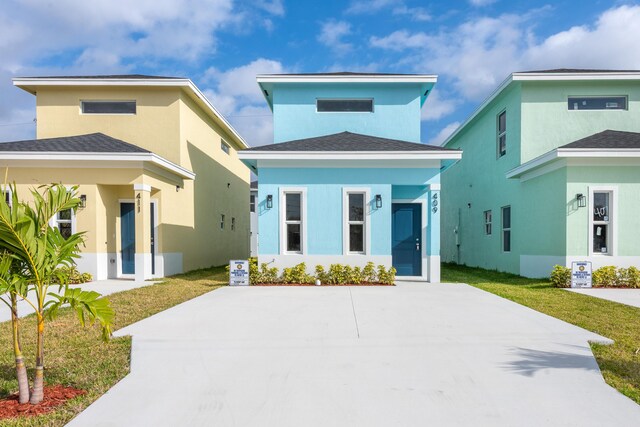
[(76, 357), (619, 363)]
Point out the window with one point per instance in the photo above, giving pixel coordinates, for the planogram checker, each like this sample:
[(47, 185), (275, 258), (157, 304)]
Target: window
[(233, 224), (502, 134), (601, 222), (221, 221), (487, 223), (356, 222), (597, 103), (64, 222), (108, 107), (344, 105), (252, 203), (293, 222), (7, 196), (224, 146), (506, 229)]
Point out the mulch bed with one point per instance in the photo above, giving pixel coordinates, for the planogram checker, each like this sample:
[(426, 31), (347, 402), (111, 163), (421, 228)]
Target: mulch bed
[(324, 284), (54, 396)]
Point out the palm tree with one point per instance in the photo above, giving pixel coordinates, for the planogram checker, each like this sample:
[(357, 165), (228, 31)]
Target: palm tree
[(12, 285), (41, 251)]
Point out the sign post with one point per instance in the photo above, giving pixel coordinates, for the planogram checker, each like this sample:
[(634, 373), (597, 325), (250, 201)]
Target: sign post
[(239, 272), (581, 274)]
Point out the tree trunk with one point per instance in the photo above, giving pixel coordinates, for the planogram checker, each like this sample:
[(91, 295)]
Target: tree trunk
[(38, 381), (21, 370)]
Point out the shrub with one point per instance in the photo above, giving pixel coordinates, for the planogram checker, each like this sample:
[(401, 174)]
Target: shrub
[(386, 277), (561, 276), (369, 273), (296, 274), (71, 275), (605, 276), (321, 274), (336, 274), (632, 278)]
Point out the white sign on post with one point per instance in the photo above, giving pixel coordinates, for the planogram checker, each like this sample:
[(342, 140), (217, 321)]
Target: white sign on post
[(581, 274), (239, 272)]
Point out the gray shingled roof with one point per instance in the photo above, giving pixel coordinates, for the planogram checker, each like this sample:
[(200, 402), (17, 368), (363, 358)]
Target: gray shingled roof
[(342, 73), (608, 139), (91, 143), (107, 76), (578, 70), (347, 141)]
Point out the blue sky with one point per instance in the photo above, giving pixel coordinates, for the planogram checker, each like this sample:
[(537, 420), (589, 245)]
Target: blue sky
[(221, 45)]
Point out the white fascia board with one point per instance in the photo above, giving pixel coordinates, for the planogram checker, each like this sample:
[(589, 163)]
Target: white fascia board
[(394, 78), (26, 82), (49, 156), (572, 153), (349, 155), (602, 75)]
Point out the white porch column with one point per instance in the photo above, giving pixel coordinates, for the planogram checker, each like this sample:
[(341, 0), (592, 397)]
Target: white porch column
[(142, 209), (433, 232)]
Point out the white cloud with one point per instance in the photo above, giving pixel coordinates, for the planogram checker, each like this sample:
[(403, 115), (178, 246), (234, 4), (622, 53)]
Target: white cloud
[(419, 14), (332, 33), (235, 93), (478, 54), (436, 107), (400, 40), (358, 7), (444, 133), (480, 3)]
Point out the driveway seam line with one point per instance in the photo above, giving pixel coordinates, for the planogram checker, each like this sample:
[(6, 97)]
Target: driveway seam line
[(353, 309)]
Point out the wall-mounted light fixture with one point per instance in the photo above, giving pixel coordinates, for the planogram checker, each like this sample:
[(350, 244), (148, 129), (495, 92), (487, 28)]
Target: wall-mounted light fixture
[(269, 201), (582, 201), (177, 188), (83, 201), (378, 201)]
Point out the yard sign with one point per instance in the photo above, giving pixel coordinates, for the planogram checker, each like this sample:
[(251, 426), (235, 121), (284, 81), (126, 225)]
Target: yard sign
[(239, 272), (581, 274)]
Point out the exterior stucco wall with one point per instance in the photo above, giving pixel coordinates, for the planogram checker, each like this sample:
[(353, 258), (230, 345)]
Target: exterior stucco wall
[(396, 111), (547, 123), (476, 184)]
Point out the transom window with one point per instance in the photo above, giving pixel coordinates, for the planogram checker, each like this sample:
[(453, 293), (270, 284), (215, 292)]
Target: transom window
[(506, 229), (108, 107), (356, 222), (487, 222), (597, 103), (293, 222), (64, 222), (224, 146), (344, 105), (502, 134), (601, 222)]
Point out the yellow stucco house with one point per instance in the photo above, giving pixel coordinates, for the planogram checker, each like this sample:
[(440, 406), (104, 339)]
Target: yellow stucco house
[(162, 188)]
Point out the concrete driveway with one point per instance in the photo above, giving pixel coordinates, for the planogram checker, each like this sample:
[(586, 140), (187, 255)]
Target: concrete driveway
[(623, 296), (411, 355)]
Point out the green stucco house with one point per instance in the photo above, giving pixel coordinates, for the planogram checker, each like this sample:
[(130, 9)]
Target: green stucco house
[(550, 174)]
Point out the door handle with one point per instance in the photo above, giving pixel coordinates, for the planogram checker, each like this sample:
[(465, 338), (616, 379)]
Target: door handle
[(417, 246)]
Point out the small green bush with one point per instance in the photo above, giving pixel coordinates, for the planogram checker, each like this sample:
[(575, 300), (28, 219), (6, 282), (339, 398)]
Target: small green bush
[(369, 273), (561, 276), (632, 277), (386, 277), (297, 274), (72, 276), (605, 276), (321, 274)]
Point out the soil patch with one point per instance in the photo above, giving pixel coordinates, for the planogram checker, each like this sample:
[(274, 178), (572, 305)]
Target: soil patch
[(54, 396)]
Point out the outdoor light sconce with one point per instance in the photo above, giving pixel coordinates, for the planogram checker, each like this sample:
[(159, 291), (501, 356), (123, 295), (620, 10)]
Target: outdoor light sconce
[(378, 201), (83, 201), (582, 201), (269, 201)]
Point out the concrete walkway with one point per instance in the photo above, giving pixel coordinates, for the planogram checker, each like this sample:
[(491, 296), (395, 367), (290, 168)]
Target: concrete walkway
[(623, 296), (411, 355), (104, 287)]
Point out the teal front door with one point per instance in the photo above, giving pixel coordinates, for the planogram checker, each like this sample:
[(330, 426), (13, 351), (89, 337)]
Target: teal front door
[(128, 238), (406, 238)]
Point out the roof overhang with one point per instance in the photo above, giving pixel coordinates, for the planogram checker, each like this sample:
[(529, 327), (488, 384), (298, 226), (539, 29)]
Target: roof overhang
[(267, 81), (542, 77), (31, 84), (560, 157), (88, 160), (254, 159)]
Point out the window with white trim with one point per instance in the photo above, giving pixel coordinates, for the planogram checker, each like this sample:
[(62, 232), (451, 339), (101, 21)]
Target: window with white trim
[(252, 203), (293, 222), (487, 222), (597, 103), (501, 127), (506, 228), (356, 222), (108, 107), (63, 221), (601, 222), (344, 105)]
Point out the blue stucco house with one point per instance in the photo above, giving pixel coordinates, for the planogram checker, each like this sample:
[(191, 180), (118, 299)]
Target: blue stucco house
[(347, 179)]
